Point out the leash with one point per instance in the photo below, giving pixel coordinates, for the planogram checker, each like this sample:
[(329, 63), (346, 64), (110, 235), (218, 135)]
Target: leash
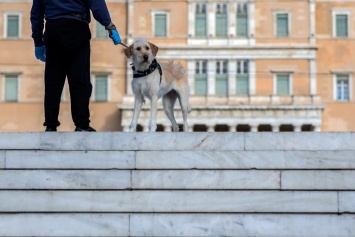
[(123, 45)]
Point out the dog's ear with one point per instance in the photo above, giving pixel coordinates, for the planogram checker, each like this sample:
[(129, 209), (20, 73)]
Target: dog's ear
[(154, 49), (128, 51)]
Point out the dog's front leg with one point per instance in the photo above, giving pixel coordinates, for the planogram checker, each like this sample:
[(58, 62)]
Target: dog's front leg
[(153, 114), (138, 103)]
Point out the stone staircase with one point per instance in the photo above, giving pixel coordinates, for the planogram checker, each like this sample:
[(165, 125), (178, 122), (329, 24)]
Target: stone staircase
[(177, 184)]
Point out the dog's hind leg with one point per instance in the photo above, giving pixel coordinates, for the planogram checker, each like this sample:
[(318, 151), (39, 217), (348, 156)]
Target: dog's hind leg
[(138, 103), (184, 103), (168, 104)]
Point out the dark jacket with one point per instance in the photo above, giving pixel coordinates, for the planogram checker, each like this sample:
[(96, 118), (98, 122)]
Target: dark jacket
[(75, 9)]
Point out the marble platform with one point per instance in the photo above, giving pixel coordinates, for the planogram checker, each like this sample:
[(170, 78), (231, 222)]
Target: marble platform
[(177, 184)]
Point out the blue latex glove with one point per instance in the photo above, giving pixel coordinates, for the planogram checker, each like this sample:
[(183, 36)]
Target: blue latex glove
[(40, 53), (115, 37)]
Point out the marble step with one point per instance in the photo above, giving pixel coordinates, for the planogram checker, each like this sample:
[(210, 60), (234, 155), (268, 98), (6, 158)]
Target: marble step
[(176, 179), (176, 201), (228, 141), (257, 225), (43, 159)]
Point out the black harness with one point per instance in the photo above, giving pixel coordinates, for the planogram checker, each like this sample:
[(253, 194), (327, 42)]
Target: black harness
[(152, 67)]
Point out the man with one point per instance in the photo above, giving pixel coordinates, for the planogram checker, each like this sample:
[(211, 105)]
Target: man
[(65, 48)]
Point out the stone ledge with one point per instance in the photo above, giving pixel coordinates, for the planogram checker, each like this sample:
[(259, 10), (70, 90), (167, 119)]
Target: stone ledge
[(228, 141)]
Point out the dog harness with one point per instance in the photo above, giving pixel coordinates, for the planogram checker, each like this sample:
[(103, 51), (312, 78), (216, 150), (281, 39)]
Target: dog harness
[(154, 65)]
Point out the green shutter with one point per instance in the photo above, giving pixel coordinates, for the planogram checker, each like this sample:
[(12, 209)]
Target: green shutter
[(242, 85), (283, 85), (13, 26), (201, 25), (282, 25), (221, 84), (101, 32), (341, 25), (200, 84), (101, 88), (11, 88), (221, 24), (242, 24), (160, 25)]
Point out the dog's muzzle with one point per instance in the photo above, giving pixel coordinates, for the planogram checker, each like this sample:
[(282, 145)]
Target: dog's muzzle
[(145, 57)]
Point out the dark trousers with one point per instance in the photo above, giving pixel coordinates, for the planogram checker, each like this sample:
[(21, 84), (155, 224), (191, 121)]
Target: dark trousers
[(67, 44)]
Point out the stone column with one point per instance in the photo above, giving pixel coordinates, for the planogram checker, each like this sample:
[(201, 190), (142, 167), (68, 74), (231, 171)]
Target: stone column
[(232, 75), (253, 127), (251, 21), (210, 128), (297, 127), (276, 127), (167, 127), (313, 76), (125, 128), (232, 127), (191, 19), (191, 75), (145, 128), (211, 20)]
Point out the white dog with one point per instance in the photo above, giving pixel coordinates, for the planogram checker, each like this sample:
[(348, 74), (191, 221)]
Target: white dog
[(154, 80)]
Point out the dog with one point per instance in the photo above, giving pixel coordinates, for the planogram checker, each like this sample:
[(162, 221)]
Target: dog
[(154, 80)]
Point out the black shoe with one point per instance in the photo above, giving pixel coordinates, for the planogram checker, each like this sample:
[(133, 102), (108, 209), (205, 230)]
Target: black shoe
[(88, 129), (51, 129)]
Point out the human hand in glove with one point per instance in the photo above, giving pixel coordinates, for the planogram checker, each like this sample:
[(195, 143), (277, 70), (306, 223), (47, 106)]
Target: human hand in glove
[(115, 37), (40, 53)]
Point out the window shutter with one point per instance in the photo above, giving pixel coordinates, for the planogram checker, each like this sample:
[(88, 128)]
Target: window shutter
[(160, 25), (283, 85), (341, 25), (221, 84), (242, 85), (282, 25), (11, 88), (13, 26), (101, 32), (101, 88), (200, 84), (221, 24), (200, 25), (242, 25)]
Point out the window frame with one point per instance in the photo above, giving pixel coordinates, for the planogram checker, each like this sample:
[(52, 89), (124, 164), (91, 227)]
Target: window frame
[(167, 13), (242, 73), (201, 70), (223, 71), (290, 80), (288, 23), (108, 87), (334, 28), (215, 19), (4, 88), (335, 85), (6, 15), (195, 16), (247, 16)]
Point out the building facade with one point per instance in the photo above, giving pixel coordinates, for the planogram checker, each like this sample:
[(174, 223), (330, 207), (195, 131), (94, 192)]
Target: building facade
[(251, 65)]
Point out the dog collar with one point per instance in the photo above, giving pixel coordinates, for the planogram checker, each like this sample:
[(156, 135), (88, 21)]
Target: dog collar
[(154, 65)]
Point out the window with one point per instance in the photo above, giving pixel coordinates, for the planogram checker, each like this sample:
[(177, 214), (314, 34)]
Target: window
[(221, 20), (242, 77), (342, 87), (101, 32), (222, 78), (11, 88), (101, 88), (200, 20), (12, 27), (340, 25), (282, 25), (242, 20), (201, 78), (283, 84), (160, 24)]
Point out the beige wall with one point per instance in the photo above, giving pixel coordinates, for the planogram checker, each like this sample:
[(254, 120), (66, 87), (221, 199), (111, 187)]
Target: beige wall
[(265, 29), (335, 55)]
